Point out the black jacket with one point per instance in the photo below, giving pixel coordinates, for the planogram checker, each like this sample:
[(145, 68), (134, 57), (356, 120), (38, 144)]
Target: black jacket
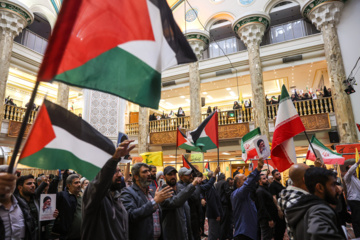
[(312, 218), (224, 191), (66, 205), (213, 208), (140, 211), (104, 216), (31, 232), (176, 222), (266, 208)]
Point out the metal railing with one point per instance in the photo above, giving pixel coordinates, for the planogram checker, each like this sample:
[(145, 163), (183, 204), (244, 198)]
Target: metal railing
[(304, 108), (17, 114), (31, 40)]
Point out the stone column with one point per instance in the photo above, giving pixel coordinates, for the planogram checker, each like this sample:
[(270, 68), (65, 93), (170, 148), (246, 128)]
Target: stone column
[(325, 16), (63, 95), (13, 19), (251, 30), (143, 129), (198, 41)]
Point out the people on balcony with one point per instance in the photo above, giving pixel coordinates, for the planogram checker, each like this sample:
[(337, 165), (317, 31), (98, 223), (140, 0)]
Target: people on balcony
[(33, 107), (248, 104), (11, 102), (209, 111), (180, 112), (236, 105), (152, 117)]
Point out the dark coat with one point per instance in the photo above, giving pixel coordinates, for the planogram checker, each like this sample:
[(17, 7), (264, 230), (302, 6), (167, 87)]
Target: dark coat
[(66, 205), (213, 208), (174, 210), (104, 216), (224, 191), (266, 208), (31, 232), (140, 211)]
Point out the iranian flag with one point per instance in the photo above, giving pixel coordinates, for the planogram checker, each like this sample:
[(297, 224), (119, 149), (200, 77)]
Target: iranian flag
[(288, 124), (247, 144), (206, 135), (61, 140), (184, 143), (115, 46), (328, 156)]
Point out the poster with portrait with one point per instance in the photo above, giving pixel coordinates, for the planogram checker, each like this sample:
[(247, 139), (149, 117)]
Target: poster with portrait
[(262, 146), (47, 206)]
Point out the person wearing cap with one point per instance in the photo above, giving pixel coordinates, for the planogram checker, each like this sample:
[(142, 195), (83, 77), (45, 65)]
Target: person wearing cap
[(176, 223), (142, 204)]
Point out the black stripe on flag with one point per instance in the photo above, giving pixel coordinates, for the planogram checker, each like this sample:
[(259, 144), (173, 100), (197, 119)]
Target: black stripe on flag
[(197, 132), (173, 34), (79, 128)]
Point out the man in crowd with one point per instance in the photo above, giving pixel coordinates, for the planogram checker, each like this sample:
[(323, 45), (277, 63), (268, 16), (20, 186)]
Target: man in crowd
[(104, 216), (292, 194), (142, 205), (16, 221), (176, 223), (244, 209), (312, 217), (153, 184), (236, 172), (266, 209), (69, 202), (353, 196), (224, 191), (26, 188), (275, 188)]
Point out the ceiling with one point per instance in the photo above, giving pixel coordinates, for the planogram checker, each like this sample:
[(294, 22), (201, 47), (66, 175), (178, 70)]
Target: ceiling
[(224, 92)]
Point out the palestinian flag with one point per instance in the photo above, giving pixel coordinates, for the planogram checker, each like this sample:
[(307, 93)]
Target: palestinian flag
[(115, 46), (207, 167), (247, 144), (188, 165), (288, 124), (61, 140), (206, 135), (328, 156), (184, 143)]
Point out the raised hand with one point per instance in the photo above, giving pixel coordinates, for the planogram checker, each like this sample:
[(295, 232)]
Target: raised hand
[(196, 181), (123, 149), (260, 164), (164, 194)]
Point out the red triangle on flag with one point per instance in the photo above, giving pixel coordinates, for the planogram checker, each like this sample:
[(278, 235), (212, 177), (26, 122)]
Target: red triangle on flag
[(185, 164), (358, 126), (42, 133)]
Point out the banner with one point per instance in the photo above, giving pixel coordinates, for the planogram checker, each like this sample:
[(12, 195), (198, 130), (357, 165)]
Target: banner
[(348, 148)]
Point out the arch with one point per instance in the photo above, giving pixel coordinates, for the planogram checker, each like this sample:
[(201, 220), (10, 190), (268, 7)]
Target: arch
[(218, 16), (273, 3), (45, 13)]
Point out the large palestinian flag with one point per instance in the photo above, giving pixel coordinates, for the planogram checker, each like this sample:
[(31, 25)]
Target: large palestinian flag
[(206, 135), (247, 144), (288, 124), (328, 156), (184, 143), (115, 46), (61, 140)]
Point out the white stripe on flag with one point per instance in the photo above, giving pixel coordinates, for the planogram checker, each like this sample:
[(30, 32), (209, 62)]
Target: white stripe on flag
[(288, 147), (83, 150), (287, 111)]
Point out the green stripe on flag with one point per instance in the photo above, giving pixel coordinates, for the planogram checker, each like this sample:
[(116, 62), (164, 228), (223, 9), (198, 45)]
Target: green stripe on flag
[(251, 134), (284, 94), (53, 159), (120, 73), (319, 144), (205, 144)]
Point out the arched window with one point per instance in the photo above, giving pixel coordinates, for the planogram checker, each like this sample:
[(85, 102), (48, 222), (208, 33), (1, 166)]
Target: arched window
[(36, 35), (223, 40)]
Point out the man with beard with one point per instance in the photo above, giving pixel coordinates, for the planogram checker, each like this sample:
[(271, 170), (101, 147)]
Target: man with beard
[(142, 205), (153, 184), (176, 223), (275, 189), (266, 209), (312, 217), (104, 216), (68, 224)]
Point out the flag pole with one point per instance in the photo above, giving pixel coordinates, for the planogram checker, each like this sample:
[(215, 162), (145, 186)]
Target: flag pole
[(176, 157), (312, 148), (218, 156), (23, 128)]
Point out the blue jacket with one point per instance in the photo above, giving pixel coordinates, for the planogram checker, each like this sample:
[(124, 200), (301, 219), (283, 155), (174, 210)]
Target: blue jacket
[(244, 209)]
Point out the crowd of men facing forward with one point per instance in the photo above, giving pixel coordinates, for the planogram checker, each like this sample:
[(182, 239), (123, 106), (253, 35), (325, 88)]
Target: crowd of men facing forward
[(158, 206)]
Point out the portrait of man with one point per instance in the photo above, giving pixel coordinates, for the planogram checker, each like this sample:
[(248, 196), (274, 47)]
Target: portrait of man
[(262, 147)]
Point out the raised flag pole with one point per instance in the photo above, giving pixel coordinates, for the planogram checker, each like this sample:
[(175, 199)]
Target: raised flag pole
[(23, 128), (218, 156), (312, 148)]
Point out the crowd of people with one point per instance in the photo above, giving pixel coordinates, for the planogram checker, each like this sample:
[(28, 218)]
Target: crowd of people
[(172, 204)]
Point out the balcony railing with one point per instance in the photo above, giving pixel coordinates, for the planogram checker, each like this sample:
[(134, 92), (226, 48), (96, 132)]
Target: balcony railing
[(17, 114), (31, 40), (304, 108)]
